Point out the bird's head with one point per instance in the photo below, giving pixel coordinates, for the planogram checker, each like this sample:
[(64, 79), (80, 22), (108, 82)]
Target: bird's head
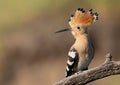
[(80, 21)]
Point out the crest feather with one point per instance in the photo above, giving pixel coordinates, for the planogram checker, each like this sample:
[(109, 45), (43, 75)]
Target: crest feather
[(82, 18)]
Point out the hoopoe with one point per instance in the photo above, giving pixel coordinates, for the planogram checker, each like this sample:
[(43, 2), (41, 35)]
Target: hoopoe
[(82, 51)]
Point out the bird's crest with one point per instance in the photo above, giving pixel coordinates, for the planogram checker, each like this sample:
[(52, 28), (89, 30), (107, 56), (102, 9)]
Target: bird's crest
[(82, 18)]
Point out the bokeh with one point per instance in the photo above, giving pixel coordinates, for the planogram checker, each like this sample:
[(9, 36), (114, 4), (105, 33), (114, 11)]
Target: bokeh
[(32, 54)]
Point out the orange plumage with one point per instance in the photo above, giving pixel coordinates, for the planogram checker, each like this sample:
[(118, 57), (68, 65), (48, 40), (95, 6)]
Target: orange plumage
[(82, 18)]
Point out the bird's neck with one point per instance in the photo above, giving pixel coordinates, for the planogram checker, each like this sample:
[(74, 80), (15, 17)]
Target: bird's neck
[(81, 42), (82, 37)]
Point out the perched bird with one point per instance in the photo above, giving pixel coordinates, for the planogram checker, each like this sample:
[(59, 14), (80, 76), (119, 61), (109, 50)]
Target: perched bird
[(82, 51)]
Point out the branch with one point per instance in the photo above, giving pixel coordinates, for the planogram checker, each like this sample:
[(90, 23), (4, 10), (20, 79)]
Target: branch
[(108, 68)]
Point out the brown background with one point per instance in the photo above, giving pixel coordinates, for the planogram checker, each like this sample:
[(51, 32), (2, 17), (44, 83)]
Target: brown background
[(30, 52)]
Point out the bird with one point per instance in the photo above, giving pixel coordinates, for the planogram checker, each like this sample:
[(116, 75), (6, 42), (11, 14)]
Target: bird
[(81, 52)]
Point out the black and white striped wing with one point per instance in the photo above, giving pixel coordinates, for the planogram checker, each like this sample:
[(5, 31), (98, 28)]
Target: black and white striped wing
[(72, 62)]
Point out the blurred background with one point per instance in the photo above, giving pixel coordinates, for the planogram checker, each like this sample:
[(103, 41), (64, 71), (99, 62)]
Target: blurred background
[(30, 52)]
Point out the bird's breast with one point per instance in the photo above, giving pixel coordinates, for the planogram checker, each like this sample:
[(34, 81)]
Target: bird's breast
[(81, 46)]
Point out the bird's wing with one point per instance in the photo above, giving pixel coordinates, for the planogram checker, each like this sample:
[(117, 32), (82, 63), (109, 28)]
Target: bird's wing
[(72, 62)]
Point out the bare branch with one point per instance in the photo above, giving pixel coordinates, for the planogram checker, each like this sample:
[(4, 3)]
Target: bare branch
[(108, 68)]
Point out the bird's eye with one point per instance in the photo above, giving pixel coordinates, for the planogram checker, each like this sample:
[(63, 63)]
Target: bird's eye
[(78, 27)]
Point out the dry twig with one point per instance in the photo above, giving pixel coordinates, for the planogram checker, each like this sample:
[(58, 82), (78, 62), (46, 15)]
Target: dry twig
[(108, 68)]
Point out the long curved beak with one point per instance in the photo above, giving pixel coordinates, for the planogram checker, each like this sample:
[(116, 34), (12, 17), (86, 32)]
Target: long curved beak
[(63, 30)]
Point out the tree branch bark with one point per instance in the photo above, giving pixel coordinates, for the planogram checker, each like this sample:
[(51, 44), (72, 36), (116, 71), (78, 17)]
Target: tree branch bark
[(106, 69)]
